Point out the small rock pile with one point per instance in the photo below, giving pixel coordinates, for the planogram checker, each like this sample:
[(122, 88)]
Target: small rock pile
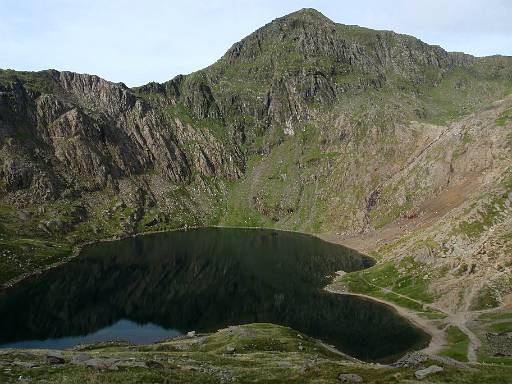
[(500, 344)]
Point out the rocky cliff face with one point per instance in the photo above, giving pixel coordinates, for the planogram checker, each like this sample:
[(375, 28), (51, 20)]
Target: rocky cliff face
[(305, 124), (87, 134)]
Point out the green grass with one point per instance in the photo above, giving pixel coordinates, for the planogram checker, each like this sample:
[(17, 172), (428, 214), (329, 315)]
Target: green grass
[(497, 316), (36, 81), (264, 353), (504, 118), (315, 154), (501, 327), (409, 282), (21, 251), (457, 344)]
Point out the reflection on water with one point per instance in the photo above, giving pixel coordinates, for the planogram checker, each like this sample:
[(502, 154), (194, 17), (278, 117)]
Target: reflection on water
[(201, 280), (121, 330)]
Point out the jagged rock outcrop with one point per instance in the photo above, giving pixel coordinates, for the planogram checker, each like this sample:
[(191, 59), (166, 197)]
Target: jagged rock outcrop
[(91, 133)]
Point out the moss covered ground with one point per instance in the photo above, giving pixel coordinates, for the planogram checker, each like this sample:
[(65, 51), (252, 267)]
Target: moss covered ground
[(253, 353)]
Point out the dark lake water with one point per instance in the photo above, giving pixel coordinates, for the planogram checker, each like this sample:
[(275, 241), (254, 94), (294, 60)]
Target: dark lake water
[(156, 286)]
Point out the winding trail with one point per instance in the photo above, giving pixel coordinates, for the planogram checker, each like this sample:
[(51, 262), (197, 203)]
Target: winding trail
[(438, 339), (458, 319)]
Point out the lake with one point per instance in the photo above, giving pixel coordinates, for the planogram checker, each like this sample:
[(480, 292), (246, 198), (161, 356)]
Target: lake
[(148, 288)]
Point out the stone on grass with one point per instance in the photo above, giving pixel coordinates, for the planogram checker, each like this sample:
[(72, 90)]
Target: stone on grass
[(54, 357), (422, 373), (350, 378), (230, 349), (25, 364), (102, 363), (80, 359), (284, 364), (306, 366)]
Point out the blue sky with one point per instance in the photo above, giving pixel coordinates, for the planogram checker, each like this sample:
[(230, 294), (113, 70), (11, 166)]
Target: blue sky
[(150, 40)]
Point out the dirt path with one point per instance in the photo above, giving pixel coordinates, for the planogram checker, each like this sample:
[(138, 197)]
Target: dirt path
[(458, 319), (462, 318), (428, 213), (437, 340)]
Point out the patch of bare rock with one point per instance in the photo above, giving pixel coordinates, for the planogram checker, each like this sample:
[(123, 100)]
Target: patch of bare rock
[(350, 378)]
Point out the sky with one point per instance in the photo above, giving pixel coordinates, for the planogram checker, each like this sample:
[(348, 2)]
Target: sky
[(136, 42)]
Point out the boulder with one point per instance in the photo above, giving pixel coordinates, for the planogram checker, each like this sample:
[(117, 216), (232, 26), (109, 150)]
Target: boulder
[(102, 363), (411, 360), (80, 359), (422, 373), (306, 366), (25, 364), (230, 349), (350, 378), (54, 357)]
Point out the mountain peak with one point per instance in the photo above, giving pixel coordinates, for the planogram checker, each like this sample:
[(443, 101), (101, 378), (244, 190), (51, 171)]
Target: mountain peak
[(310, 15), (308, 12)]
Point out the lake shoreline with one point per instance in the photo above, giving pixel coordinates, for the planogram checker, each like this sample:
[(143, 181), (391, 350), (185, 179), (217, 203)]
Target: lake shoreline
[(412, 318), (437, 338), (77, 249)]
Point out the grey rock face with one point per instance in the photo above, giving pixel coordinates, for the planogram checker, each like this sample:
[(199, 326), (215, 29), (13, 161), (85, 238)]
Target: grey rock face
[(93, 132), (340, 98)]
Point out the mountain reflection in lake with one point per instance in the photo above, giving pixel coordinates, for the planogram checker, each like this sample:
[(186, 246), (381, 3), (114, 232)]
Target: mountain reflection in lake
[(202, 280)]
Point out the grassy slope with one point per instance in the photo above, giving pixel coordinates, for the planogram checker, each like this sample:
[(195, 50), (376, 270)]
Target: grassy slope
[(262, 353)]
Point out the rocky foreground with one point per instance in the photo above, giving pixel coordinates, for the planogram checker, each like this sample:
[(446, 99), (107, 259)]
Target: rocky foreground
[(241, 354)]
